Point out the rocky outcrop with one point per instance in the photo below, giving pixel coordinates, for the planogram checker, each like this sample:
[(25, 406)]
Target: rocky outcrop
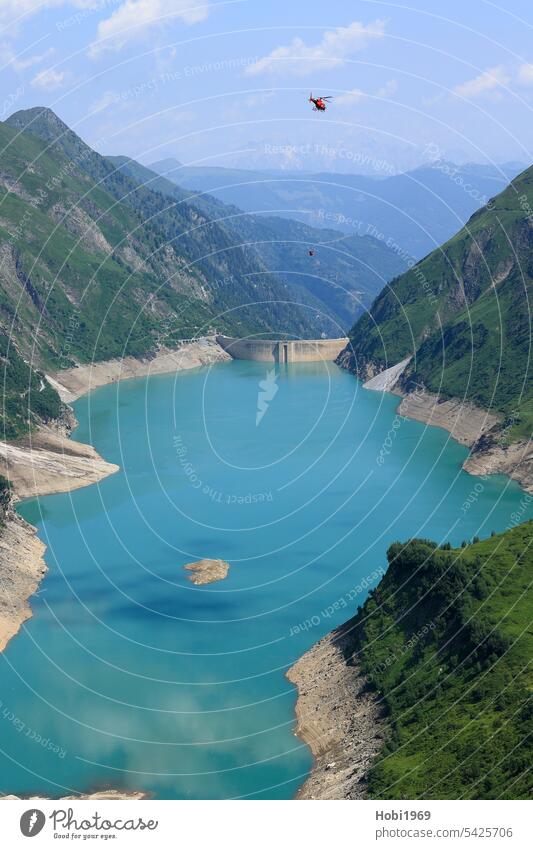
[(49, 463), (489, 457), (21, 569), (338, 717), (207, 571), (283, 350)]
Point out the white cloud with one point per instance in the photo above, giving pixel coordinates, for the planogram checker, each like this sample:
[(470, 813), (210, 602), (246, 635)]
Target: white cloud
[(525, 74), (22, 62), (390, 88), (103, 102), (134, 17), (13, 10), (260, 98), (485, 84), (49, 80), (336, 46), (349, 97)]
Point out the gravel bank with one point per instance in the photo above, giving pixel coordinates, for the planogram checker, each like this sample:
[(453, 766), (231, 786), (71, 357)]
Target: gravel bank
[(72, 383), (338, 718)]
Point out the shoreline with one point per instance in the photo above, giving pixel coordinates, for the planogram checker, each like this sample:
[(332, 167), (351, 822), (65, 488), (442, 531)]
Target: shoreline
[(72, 383), (478, 430), (472, 426), (338, 717), (50, 462), (103, 795), (22, 567)]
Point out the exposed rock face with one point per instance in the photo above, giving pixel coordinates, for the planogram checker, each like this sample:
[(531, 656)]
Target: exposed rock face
[(386, 380), (207, 571), (21, 569), (51, 463), (515, 460), (338, 718)]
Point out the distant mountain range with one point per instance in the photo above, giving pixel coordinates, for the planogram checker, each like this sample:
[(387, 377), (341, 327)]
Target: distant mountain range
[(413, 212), (340, 279)]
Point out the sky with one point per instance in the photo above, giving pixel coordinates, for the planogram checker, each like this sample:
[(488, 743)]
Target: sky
[(226, 83)]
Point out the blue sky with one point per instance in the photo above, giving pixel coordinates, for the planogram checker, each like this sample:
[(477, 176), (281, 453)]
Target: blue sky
[(226, 83)]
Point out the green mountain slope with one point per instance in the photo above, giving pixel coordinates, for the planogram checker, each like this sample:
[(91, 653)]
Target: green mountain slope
[(95, 266), (463, 313), (131, 262), (446, 639)]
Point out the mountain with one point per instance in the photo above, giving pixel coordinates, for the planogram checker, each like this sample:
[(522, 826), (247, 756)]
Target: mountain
[(95, 266), (463, 314), (340, 280), (446, 640), (414, 212), (102, 258), (160, 259)]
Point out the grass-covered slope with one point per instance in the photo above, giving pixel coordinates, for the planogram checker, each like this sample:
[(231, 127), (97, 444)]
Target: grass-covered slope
[(463, 312), (447, 639)]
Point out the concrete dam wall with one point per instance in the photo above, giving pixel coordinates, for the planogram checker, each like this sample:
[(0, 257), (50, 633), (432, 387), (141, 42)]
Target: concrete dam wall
[(281, 351)]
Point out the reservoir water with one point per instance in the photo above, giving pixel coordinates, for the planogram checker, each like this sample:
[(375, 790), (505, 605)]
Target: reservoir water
[(130, 676)]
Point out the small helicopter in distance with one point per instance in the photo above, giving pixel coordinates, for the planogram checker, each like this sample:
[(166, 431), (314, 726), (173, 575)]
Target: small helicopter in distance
[(319, 102)]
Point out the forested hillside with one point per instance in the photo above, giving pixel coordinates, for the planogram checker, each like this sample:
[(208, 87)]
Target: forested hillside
[(446, 639), (92, 249)]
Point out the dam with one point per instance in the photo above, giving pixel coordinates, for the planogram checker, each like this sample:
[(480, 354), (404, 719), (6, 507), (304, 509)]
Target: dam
[(283, 350)]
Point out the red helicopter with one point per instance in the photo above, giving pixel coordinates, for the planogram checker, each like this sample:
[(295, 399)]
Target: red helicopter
[(320, 102)]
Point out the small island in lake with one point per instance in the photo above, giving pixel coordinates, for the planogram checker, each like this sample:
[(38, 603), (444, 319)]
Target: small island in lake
[(207, 571)]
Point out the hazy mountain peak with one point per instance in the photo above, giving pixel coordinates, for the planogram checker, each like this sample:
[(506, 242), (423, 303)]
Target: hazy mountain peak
[(40, 116), (164, 166), (47, 126)]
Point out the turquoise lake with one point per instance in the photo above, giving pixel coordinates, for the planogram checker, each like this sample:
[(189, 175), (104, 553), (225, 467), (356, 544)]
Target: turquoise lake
[(133, 677)]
